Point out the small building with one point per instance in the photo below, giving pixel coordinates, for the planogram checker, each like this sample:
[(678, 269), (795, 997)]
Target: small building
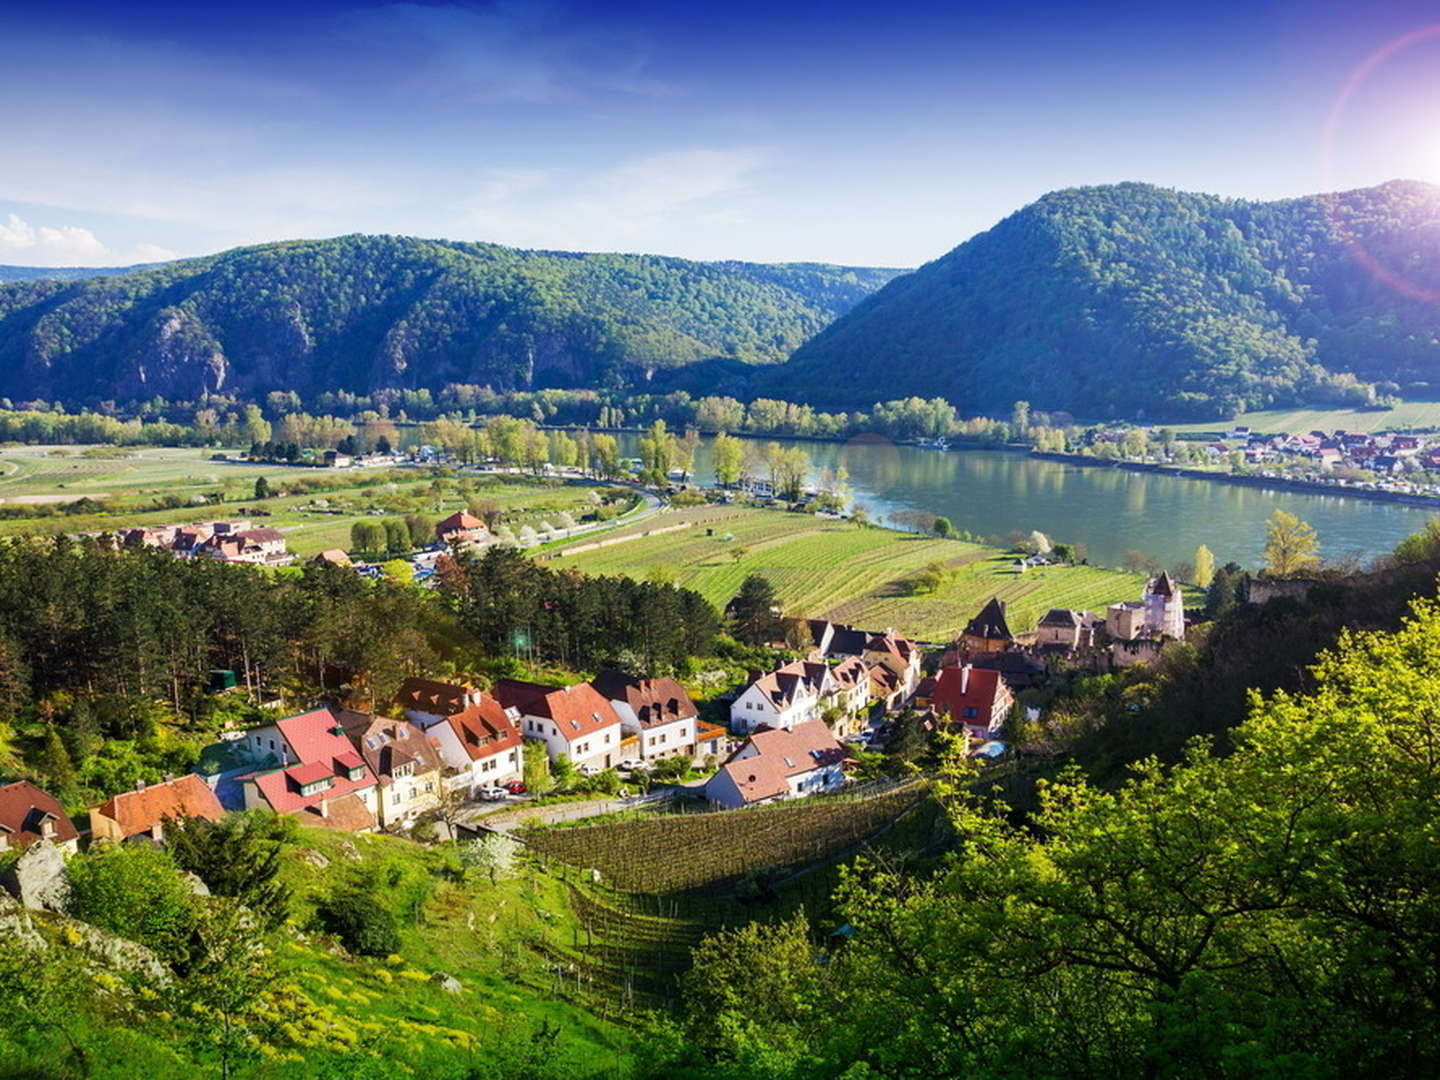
[(1066, 628), (331, 557), (658, 711), (480, 745), (142, 813), (973, 697), (577, 722), (461, 528), (405, 763), (988, 631), (28, 814), (779, 764)]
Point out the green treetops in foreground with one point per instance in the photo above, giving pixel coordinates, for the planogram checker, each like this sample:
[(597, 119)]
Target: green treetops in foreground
[(1269, 913)]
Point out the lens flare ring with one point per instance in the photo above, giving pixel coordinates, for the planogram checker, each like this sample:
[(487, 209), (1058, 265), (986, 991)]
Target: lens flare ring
[(1348, 89)]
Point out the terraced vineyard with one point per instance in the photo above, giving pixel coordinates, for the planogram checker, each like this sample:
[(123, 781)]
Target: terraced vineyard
[(832, 569), (714, 851)]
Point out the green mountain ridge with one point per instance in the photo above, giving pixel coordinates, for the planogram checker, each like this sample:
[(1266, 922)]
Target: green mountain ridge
[(362, 313), (1135, 300)]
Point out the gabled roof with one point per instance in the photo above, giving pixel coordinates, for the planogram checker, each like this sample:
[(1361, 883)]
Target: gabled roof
[(23, 807), (321, 748), (1164, 585), (334, 556), (837, 639), (959, 688), (779, 755), (429, 696), (1062, 617), (386, 744), (137, 812), (264, 535), (484, 729), (576, 710), (990, 624), (784, 685), (654, 701)]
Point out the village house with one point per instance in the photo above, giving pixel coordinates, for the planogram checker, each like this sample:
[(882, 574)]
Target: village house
[(262, 547), (426, 700), (142, 813), (657, 711), (788, 696), (480, 745), (331, 557), (897, 655), (405, 762), (577, 722), (28, 814), (1067, 628), (976, 698), (988, 631), (461, 528), (779, 764), (309, 769)]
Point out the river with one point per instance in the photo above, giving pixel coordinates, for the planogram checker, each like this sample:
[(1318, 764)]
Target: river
[(1111, 511)]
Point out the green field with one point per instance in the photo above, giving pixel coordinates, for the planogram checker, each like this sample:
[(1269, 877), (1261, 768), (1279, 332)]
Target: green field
[(313, 521), (1406, 416), (824, 568)]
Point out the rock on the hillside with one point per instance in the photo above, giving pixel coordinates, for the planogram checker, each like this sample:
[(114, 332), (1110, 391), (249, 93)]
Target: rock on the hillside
[(196, 886), (17, 926), (314, 858), (119, 954), (37, 878), (350, 851), (448, 983)]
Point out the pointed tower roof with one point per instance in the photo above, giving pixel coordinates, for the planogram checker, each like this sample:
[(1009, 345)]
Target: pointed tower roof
[(1164, 585), (990, 624)]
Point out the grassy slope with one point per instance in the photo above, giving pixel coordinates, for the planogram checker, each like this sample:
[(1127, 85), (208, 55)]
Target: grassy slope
[(824, 568), (153, 473), (1406, 415)]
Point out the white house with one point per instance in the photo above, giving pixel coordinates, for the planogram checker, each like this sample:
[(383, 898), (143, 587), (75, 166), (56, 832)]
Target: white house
[(575, 721), (785, 697), (779, 764), (657, 711), (480, 745)]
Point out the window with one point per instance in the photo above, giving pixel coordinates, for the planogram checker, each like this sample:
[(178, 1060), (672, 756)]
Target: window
[(971, 712), (395, 798)]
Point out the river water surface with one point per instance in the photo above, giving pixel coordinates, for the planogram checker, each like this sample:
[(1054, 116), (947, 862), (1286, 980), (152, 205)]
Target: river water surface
[(1110, 511)]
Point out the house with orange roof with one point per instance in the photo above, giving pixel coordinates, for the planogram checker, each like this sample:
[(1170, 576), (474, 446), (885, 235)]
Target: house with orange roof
[(658, 711), (575, 721), (309, 769), (461, 528), (480, 745), (426, 701), (779, 764), (143, 812)]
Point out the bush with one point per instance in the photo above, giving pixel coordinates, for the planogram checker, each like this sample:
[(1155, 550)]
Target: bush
[(136, 892), (362, 923)]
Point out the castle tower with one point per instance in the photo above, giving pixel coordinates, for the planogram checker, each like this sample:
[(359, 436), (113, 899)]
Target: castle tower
[(1165, 607)]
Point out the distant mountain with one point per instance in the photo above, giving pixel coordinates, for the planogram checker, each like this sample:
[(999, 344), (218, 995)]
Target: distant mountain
[(1135, 300), (362, 313), (66, 273)]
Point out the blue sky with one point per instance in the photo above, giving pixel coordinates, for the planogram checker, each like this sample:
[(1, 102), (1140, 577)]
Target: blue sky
[(878, 134)]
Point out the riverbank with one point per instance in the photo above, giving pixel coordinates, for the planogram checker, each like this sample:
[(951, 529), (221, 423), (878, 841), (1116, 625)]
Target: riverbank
[(1275, 483)]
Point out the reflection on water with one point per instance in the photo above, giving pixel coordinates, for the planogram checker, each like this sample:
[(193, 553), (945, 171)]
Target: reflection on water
[(1110, 511)]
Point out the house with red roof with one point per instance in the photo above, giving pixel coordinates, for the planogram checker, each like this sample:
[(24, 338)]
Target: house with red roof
[(577, 721), (779, 764), (975, 697), (657, 711), (461, 528), (142, 813), (405, 761), (28, 814), (480, 745), (312, 771)]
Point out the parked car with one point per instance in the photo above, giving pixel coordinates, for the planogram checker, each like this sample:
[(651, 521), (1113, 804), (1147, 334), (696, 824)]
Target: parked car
[(630, 765), (494, 794), (515, 787)]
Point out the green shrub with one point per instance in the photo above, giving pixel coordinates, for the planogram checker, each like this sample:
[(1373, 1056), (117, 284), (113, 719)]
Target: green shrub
[(361, 922), (136, 892)]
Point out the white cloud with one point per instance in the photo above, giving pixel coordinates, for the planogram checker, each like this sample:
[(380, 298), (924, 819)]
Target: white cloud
[(636, 204), (24, 244)]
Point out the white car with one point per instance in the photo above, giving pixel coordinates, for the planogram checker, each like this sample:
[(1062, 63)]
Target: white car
[(493, 794), (630, 765)]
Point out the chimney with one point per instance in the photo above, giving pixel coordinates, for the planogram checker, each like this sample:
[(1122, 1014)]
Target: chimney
[(139, 785)]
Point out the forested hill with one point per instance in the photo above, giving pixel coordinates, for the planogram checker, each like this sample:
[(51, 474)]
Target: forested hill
[(362, 313), (65, 273), (1108, 301)]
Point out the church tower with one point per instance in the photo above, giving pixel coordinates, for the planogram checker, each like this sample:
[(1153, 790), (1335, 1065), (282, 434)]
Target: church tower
[(1165, 607)]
